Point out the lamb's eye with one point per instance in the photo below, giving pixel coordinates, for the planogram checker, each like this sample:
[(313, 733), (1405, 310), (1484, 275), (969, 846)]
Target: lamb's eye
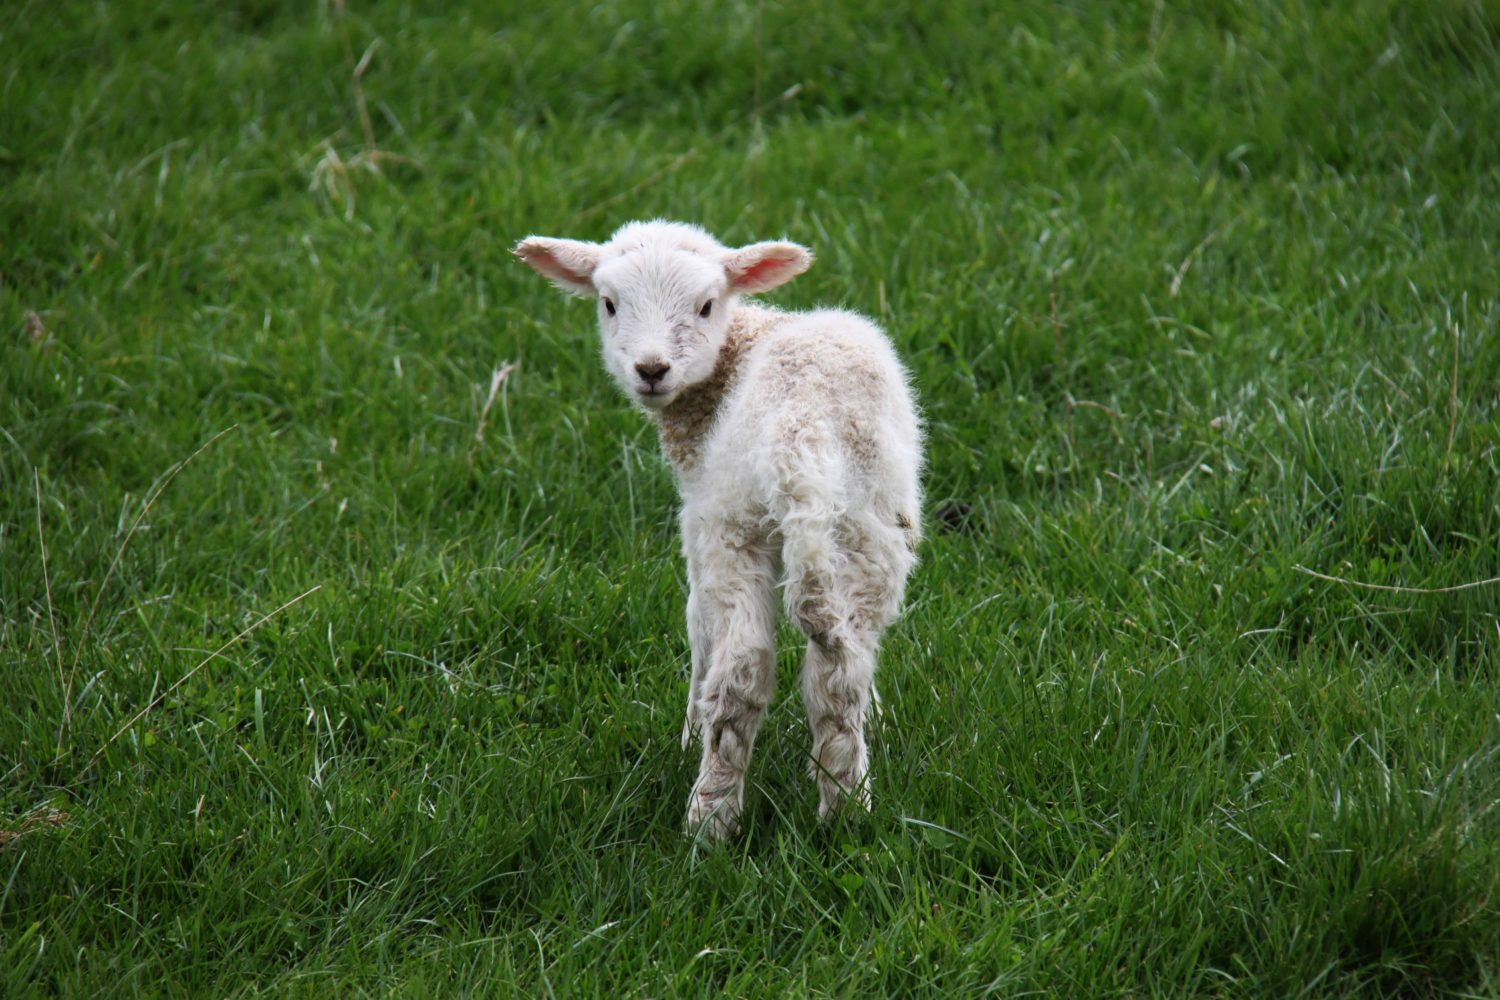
[(609, 307), (708, 307)]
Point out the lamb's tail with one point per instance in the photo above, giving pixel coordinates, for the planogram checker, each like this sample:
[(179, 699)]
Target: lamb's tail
[(811, 478)]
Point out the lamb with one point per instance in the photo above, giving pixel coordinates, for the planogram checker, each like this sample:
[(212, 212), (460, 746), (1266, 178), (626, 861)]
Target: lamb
[(797, 449)]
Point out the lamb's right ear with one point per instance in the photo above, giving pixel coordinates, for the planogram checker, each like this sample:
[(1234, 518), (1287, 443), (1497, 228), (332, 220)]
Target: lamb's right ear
[(568, 264)]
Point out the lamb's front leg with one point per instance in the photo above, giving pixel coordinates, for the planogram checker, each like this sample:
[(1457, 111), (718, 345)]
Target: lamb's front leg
[(734, 594)]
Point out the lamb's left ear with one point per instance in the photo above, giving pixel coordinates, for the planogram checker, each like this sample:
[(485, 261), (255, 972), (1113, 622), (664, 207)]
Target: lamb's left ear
[(568, 264), (760, 267)]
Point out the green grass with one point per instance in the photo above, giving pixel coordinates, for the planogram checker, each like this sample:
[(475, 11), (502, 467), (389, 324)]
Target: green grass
[(1182, 287)]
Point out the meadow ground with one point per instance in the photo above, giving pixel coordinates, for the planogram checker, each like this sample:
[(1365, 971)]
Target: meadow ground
[(1198, 298)]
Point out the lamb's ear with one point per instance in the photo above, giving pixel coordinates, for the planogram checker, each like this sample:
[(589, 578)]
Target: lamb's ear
[(568, 264), (760, 267)]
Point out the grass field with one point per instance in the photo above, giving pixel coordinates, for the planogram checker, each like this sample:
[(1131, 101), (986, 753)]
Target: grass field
[(1198, 298)]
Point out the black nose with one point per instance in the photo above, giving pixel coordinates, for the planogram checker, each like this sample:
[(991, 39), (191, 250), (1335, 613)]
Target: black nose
[(652, 373)]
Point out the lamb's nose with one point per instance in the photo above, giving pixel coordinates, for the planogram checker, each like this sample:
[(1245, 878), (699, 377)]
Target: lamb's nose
[(652, 372)]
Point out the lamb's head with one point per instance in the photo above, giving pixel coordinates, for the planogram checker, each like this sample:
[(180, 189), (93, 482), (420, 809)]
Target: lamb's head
[(666, 294)]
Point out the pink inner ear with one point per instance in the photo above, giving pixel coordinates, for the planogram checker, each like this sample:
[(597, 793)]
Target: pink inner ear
[(548, 263), (768, 272), (759, 272)]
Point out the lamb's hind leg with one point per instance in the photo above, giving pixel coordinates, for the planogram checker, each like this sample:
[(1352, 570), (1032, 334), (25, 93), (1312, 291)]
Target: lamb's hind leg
[(734, 594), (843, 612), (700, 641), (837, 683)]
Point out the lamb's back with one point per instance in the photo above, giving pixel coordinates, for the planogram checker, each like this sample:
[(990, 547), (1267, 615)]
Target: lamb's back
[(821, 394)]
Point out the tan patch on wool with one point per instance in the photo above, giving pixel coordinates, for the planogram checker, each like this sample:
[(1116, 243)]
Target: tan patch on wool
[(912, 530), (684, 424)]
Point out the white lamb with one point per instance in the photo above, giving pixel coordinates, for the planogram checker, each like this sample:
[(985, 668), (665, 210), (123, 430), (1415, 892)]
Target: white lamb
[(797, 449)]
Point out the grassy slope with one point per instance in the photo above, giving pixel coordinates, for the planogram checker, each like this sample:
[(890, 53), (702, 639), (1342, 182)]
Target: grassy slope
[(1181, 289)]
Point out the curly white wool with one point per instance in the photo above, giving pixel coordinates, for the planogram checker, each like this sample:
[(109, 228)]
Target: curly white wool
[(798, 452)]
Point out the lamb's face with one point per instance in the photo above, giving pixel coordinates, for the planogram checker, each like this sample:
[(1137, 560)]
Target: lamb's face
[(663, 314), (665, 295)]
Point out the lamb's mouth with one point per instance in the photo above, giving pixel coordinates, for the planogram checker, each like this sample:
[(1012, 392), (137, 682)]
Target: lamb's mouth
[(654, 397)]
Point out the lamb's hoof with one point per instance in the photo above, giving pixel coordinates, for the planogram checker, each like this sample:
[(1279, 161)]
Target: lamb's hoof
[(713, 815), (834, 798)]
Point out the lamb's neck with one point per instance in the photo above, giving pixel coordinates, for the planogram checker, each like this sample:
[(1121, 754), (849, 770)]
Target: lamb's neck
[(684, 425)]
